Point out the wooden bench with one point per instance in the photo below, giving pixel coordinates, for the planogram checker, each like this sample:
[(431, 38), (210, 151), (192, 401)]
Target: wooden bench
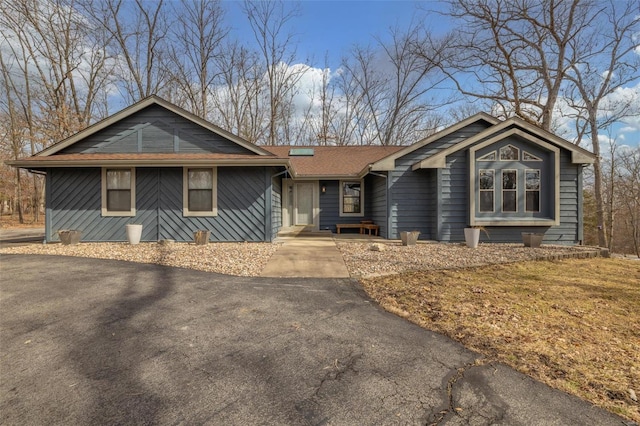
[(359, 226)]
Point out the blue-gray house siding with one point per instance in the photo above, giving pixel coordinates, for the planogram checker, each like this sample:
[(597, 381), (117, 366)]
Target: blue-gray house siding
[(155, 129), (375, 204), (454, 208), (418, 201), (434, 199), (276, 203), (243, 193)]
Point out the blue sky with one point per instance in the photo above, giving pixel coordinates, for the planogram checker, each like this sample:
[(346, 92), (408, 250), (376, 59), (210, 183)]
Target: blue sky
[(332, 27)]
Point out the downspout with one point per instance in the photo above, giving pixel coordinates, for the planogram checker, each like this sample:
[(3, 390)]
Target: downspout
[(387, 198)]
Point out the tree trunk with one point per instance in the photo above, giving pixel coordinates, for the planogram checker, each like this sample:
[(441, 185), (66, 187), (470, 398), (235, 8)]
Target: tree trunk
[(19, 197), (597, 176)]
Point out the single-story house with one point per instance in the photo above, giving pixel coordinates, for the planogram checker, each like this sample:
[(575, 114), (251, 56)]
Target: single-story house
[(156, 164)]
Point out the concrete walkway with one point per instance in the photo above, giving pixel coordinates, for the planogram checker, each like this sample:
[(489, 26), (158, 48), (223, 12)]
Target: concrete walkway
[(307, 257)]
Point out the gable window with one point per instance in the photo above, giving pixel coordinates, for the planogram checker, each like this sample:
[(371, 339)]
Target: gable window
[(118, 192), (509, 153), (487, 193), (488, 157), (526, 156), (351, 198), (532, 190), (509, 190), (200, 191)]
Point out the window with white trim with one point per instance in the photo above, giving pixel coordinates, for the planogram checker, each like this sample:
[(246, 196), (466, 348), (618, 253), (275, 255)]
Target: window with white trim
[(526, 183), (526, 156), (509, 153), (510, 191), (118, 192), (488, 157), (486, 179), (351, 198), (200, 191), (532, 190)]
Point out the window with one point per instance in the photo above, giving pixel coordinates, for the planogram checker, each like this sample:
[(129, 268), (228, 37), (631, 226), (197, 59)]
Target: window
[(351, 198), (488, 157), (532, 191), (118, 192), (521, 187), (509, 153), (200, 192), (526, 156), (509, 191), (487, 193)]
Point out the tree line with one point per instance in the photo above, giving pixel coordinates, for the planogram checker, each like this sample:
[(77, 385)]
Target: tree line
[(559, 64)]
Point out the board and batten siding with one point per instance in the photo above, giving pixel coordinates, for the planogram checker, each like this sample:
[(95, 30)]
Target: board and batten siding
[(157, 130), (75, 203)]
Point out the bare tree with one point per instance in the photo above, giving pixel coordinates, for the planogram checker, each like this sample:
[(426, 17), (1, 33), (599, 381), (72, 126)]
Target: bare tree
[(269, 21), (55, 68), (392, 82), (527, 56), (603, 61), (514, 53), (237, 99), (628, 188), (137, 37), (13, 133), (198, 35), (324, 128)]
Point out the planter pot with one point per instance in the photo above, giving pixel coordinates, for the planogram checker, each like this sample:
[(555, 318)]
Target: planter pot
[(69, 236), (134, 232), (532, 239), (201, 237), (409, 238), (472, 237)]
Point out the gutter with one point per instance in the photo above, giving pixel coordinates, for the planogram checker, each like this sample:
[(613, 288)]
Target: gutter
[(26, 164)]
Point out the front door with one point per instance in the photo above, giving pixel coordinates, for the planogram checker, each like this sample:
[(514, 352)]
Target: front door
[(303, 203)]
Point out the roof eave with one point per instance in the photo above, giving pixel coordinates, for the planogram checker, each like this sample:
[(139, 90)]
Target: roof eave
[(388, 163), (42, 164)]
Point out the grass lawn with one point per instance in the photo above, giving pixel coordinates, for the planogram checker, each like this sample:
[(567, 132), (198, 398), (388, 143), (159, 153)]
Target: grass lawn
[(573, 324)]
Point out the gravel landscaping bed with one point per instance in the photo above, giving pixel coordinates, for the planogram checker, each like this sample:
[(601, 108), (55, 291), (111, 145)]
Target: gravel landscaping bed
[(242, 259), (395, 258), (249, 259)]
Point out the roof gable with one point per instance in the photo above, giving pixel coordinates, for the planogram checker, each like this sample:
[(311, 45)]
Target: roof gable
[(127, 137), (388, 163), (512, 126)]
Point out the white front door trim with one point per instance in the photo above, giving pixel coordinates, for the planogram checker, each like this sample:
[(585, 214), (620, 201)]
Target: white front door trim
[(290, 189)]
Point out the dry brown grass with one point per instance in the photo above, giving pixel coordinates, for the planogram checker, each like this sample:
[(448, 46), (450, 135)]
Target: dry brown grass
[(12, 222), (573, 324)]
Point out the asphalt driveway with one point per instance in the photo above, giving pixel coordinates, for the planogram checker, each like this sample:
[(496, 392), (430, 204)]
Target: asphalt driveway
[(86, 341)]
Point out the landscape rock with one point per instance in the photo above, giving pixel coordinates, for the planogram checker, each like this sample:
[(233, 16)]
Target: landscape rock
[(376, 247)]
